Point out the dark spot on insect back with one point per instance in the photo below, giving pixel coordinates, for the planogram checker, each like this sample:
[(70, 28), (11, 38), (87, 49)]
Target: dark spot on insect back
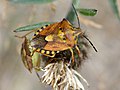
[(41, 50), (42, 28), (34, 34), (60, 28), (38, 30), (64, 38), (51, 53), (46, 25)]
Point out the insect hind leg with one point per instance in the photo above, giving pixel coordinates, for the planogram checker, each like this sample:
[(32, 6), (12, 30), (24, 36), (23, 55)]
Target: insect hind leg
[(73, 59), (38, 75)]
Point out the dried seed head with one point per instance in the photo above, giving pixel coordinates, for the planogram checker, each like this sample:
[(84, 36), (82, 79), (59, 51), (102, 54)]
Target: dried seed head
[(61, 77)]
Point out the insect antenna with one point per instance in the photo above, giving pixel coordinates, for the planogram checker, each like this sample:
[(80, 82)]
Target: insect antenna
[(79, 27), (90, 43)]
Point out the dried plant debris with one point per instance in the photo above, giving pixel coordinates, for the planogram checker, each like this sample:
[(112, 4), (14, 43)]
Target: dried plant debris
[(62, 77)]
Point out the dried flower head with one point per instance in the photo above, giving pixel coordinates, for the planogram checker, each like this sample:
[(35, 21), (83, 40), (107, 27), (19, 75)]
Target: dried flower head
[(61, 76)]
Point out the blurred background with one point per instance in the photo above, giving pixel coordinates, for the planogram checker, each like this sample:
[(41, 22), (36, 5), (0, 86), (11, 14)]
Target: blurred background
[(101, 70)]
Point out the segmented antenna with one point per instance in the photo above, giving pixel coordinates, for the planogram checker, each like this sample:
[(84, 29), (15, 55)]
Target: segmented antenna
[(90, 43), (79, 27)]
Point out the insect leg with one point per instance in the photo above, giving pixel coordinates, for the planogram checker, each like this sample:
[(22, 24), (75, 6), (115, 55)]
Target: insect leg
[(24, 35), (78, 50), (38, 75), (72, 55)]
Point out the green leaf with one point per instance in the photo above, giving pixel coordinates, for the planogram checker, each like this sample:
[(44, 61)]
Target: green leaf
[(87, 12), (115, 7), (31, 1), (31, 27)]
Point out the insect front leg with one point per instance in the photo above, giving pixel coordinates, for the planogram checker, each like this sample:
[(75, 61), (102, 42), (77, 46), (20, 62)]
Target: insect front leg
[(78, 50)]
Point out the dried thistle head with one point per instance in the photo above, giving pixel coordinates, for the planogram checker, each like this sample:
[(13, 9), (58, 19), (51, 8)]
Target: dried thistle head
[(62, 77)]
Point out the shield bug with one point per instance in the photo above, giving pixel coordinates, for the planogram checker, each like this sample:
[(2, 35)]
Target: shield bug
[(58, 37), (51, 39)]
